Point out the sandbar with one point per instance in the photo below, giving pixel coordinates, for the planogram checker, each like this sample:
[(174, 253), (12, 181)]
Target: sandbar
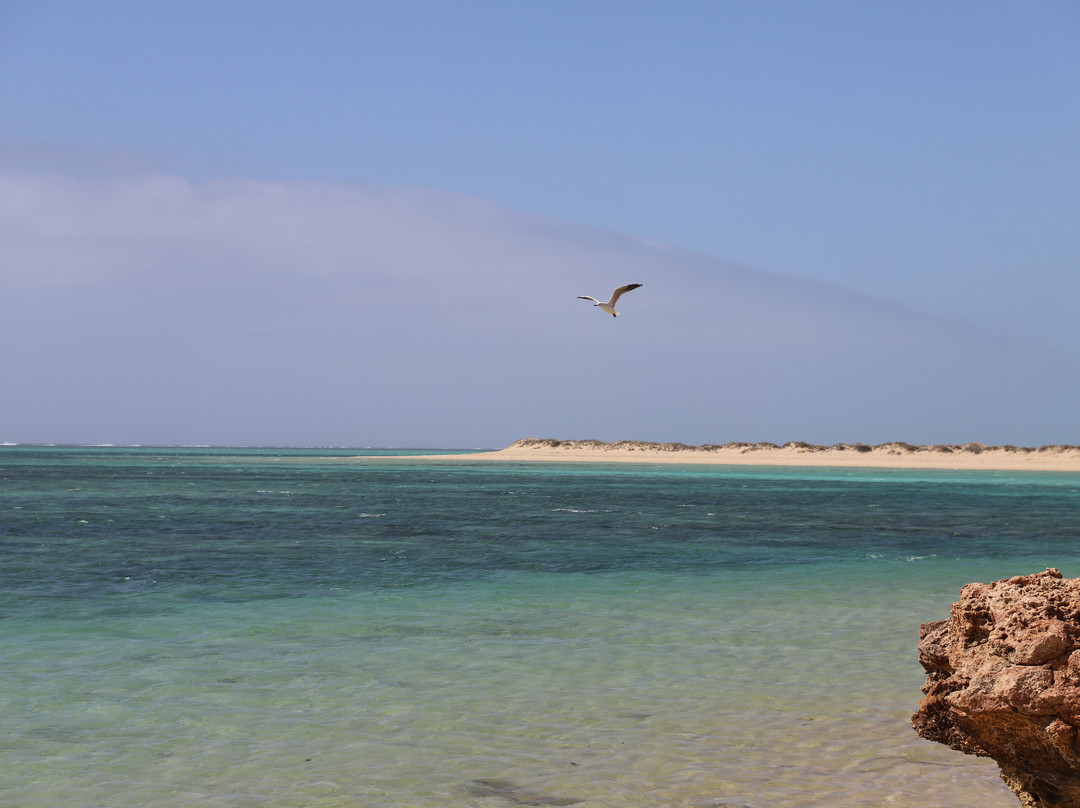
[(972, 456)]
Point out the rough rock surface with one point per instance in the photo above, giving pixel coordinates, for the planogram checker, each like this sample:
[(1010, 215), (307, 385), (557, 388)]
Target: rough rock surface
[(1003, 681)]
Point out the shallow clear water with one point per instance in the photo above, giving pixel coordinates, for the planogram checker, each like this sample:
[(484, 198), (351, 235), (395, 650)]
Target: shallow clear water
[(296, 628)]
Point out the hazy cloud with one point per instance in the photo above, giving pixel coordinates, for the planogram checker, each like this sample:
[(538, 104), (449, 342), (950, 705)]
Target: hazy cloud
[(149, 309)]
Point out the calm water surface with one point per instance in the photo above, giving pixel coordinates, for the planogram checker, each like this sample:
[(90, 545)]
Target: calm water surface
[(300, 628)]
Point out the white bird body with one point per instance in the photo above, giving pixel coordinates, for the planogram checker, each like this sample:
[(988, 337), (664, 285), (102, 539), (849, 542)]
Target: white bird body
[(609, 307)]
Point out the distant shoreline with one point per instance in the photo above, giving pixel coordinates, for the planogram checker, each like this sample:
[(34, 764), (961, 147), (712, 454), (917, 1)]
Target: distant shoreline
[(885, 455)]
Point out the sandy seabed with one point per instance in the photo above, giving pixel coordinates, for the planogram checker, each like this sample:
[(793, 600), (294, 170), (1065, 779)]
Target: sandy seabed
[(884, 455)]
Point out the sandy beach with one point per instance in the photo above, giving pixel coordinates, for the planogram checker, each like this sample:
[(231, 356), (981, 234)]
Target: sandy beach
[(885, 455)]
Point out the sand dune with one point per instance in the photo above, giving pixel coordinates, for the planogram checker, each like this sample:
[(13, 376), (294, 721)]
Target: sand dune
[(898, 455)]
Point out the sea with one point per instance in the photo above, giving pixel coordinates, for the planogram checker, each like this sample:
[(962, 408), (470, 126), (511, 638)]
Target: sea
[(307, 628)]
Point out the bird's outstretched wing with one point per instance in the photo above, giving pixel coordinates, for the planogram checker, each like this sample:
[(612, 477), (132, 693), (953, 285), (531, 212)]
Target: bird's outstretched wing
[(586, 297), (621, 291)]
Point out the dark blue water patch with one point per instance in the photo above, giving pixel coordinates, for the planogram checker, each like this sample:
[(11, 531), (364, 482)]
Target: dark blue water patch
[(87, 530)]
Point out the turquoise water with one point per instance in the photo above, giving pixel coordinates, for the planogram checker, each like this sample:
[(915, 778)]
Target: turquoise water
[(300, 628)]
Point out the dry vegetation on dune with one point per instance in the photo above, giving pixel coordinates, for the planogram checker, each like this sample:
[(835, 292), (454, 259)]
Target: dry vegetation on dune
[(894, 448), (896, 454)]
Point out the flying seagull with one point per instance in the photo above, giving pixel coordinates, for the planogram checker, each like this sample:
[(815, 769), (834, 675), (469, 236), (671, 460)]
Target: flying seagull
[(609, 307)]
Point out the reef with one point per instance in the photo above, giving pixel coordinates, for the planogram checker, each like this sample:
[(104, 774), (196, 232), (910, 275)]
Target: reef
[(1003, 681)]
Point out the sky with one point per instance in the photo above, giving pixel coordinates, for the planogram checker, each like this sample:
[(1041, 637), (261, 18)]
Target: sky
[(367, 224)]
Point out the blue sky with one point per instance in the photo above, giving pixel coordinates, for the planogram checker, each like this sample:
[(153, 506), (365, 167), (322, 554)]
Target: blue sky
[(193, 195)]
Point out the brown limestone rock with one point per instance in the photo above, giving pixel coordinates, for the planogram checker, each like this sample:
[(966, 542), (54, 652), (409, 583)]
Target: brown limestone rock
[(1003, 681)]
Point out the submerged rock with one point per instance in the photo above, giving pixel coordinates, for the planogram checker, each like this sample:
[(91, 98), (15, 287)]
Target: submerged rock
[(1003, 681), (513, 793)]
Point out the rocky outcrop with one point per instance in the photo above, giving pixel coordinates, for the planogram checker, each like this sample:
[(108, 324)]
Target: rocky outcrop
[(1003, 681)]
